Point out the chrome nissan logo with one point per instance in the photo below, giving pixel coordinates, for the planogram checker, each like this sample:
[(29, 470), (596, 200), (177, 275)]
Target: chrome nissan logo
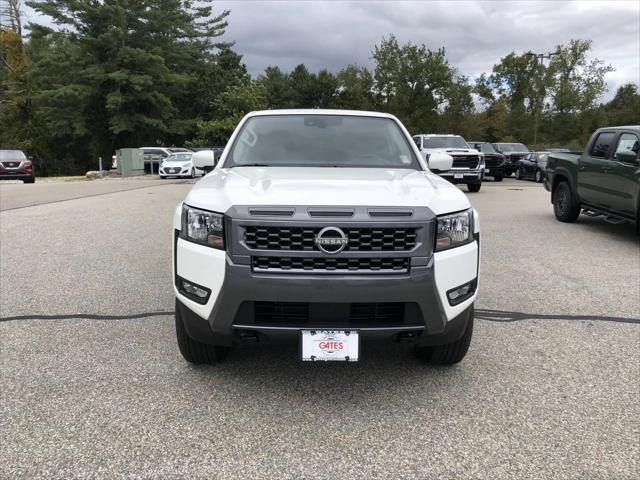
[(331, 240)]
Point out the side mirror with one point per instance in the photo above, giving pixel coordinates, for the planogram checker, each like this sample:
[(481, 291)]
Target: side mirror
[(440, 162), (204, 160), (627, 157)]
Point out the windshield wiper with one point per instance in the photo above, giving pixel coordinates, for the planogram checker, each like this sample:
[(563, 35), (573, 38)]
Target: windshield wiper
[(251, 165)]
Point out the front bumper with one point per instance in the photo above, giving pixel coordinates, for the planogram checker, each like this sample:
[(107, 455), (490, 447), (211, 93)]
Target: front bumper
[(236, 290), (19, 174), (173, 172), (463, 176)]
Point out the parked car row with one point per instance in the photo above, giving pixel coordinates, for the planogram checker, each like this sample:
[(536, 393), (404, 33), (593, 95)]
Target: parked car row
[(175, 162)]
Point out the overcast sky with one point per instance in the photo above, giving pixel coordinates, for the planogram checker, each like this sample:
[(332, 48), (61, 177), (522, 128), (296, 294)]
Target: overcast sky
[(332, 34)]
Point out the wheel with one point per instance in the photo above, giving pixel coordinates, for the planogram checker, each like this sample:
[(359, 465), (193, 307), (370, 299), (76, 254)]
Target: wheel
[(448, 354), (498, 178), (193, 173), (565, 207), (29, 180), (163, 177), (193, 351), (539, 176), (518, 175), (474, 187)]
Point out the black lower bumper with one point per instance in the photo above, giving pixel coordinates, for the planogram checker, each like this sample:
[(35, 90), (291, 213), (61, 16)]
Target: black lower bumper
[(229, 318), (15, 175)]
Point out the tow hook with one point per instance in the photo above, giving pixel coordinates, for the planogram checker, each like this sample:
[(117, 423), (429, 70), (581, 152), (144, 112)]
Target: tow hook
[(406, 337), (251, 337)]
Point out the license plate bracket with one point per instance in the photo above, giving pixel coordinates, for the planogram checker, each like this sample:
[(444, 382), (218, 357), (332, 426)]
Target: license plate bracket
[(329, 345)]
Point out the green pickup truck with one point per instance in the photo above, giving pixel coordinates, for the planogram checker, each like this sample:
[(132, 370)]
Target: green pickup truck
[(604, 180)]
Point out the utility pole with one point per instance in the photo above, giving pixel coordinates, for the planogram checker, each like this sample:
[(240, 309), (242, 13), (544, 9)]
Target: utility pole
[(540, 58), (10, 15)]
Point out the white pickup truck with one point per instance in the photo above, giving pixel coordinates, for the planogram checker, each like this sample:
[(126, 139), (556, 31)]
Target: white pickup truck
[(468, 163), (327, 227)]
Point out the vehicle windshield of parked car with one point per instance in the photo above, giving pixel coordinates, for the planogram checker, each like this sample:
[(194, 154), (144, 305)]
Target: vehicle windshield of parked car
[(12, 155), (513, 147), (321, 141), (485, 148), (178, 157), (444, 142)]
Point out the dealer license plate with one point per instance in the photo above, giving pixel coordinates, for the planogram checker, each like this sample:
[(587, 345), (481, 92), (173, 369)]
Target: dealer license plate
[(458, 175), (330, 346)]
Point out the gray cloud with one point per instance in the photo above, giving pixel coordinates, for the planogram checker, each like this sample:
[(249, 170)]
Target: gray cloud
[(475, 34), (333, 34)]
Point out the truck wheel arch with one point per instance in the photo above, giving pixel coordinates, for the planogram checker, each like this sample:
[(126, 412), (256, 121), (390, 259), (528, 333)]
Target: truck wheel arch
[(562, 176)]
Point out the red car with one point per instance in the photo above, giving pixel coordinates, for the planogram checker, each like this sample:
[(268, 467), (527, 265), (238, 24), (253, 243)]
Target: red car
[(15, 165)]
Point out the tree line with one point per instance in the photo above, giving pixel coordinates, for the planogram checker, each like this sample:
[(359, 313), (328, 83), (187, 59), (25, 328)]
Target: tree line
[(117, 73)]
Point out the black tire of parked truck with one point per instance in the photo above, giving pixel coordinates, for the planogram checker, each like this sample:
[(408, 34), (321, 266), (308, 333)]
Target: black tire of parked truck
[(474, 187), (565, 206), (498, 178), (539, 176), (193, 351), (448, 354)]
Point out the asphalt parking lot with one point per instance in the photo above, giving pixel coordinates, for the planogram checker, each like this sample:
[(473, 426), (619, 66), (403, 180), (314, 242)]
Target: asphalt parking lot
[(93, 384)]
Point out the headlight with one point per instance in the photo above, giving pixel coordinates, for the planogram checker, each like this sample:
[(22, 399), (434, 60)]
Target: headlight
[(200, 226), (454, 230)]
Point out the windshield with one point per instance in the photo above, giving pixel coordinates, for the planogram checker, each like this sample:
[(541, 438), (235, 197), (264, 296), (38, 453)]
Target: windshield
[(321, 141), (12, 155), (444, 142), (484, 147), (512, 147), (178, 157)]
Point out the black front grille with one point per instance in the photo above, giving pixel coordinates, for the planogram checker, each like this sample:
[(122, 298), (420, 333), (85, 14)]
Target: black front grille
[(331, 264), (335, 315), (465, 161), (492, 160), (303, 238), (10, 164)]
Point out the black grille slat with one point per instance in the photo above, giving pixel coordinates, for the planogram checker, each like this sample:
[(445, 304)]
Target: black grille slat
[(465, 161), (492, 160), (303, 238), (330, 264), (354, 315)]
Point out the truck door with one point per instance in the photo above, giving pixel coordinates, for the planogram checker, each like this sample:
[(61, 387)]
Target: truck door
[(622, 174), (591, 188)]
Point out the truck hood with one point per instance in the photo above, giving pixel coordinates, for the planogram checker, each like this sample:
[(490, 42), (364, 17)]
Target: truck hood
[(223, 188)]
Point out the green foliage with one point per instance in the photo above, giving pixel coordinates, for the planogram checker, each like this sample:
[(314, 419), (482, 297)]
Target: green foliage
[(412, 82), (234, 103)]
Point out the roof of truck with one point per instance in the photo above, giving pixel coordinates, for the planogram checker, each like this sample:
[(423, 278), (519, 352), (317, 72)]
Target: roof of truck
[(320, 111)]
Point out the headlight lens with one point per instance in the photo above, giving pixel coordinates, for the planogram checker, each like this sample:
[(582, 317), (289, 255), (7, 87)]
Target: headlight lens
[(201, 226), (454, 230)]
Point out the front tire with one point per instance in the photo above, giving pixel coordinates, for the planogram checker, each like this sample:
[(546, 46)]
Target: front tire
[(539, 176), (193, 173), (474, 187), (29, 180), (565, 207), (449, 354), (498, 178), (193, 351), (518, 175)]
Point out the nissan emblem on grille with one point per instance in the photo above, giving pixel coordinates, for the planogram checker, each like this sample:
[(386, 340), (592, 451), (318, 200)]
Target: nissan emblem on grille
[(331, 240)]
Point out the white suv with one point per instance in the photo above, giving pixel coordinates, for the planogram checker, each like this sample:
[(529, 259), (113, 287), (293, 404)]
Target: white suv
[(327, 227)]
